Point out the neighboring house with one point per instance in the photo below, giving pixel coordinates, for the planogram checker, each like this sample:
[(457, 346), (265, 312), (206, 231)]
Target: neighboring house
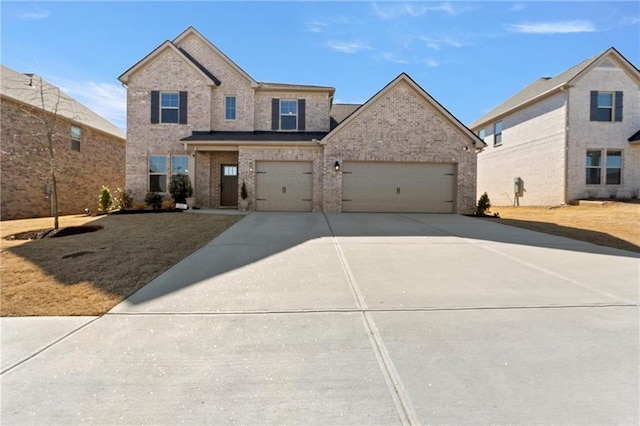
[(192, 110), (89, 150), (566, 138)]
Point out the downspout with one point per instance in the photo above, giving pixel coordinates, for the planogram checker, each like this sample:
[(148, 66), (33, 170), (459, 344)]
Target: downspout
[(566, 144)]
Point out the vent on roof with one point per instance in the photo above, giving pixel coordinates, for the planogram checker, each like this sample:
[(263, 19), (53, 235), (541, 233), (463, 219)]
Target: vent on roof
[(545, 78), (606, 64)]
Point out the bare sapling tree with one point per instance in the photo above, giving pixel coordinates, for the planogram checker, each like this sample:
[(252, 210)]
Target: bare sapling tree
[(50, 121)]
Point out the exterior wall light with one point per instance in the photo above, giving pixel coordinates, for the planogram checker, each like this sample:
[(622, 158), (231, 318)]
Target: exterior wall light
[(337, 166)]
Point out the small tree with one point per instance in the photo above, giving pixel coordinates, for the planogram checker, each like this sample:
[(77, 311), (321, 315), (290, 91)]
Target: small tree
[(105, 201), (154, 200), (483, 205), (180, 188)]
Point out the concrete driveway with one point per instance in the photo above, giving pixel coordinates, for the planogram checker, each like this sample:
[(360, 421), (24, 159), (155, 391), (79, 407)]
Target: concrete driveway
[(350, 319)]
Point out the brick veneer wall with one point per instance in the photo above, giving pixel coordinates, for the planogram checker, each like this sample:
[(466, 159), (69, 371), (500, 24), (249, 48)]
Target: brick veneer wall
[(533, 148), (80, 175), (401, 126)]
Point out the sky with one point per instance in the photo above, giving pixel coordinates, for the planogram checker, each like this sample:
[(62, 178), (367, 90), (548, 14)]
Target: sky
[(469, 55)]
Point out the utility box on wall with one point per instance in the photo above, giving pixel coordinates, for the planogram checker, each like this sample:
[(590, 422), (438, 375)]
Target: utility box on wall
[(518, 186)]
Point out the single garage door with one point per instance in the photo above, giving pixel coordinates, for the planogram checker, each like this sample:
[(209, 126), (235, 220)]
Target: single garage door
[(398, 187), (284, 186)]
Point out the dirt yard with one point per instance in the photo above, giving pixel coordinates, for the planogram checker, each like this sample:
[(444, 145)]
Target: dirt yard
[(612, 224), (88, 274)]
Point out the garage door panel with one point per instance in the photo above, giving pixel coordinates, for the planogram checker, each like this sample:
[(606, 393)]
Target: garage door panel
[(398, 187), (284, 186)]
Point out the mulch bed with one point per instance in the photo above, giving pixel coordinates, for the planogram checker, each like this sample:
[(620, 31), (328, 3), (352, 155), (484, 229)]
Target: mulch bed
[(38, 234)]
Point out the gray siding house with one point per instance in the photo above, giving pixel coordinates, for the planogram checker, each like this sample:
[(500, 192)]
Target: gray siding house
[(564, 138), (192, 110)]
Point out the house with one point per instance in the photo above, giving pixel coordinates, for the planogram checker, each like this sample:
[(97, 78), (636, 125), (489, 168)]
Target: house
[(192, 110), (89, 150), (561, 139)]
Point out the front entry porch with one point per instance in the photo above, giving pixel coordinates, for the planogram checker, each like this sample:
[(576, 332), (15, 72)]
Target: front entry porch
[(216, 179)]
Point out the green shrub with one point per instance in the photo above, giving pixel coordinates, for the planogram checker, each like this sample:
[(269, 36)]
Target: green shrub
[(180, 188), (105, 201), (122, 199), (483, 205), (153, 200), (243, 191)]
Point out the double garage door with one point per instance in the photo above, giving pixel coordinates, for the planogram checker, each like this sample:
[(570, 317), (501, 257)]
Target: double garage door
[(398, 187), (366, 187)]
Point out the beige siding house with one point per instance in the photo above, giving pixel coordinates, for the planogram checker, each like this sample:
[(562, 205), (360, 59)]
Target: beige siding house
[(192, 110), (570, 137), (89, 150)]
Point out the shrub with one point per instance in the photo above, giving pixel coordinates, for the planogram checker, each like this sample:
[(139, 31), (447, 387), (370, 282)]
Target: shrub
[(105, 201), (154, 200), (168, 204), (483, 205), (180, 188), (243, 191), (122, 199)]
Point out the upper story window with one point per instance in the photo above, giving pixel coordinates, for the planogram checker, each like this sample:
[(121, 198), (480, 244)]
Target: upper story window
[(168, 107), (481, 134), (497, 134), (288, 114), (76, 138), (606, 106), (229, 107)]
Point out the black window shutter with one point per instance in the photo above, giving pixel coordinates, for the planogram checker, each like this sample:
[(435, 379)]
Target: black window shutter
[(301, 114), (155, 107), (182, 115), (275, 114), (594, 105), (618, 106)]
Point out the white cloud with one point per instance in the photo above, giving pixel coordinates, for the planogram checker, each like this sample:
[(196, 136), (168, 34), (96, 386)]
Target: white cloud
[(437, 43), (392, 57), (105, 99), (347, 46), (629, 20), (517, 7), (398, 10), (34, 13), (560, 27), (431, 63), (316, 27)]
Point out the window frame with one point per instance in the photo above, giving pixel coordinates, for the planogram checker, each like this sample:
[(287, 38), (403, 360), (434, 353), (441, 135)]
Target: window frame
[(228, 109), (181, 156), (76, 139), (481, 133), (590, 167), (168, 108), (288, 115), (611, 108), (607, 167), (157, 173), (497, 135)]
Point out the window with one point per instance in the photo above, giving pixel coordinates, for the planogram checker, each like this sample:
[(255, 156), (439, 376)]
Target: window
[(481, 134), (497, 133), (594, 167), (157, 173), (606, 106), (229, 170), (614, 167), (179, 165), (288, 114), (229, 107), (169, 107), (76, 137)]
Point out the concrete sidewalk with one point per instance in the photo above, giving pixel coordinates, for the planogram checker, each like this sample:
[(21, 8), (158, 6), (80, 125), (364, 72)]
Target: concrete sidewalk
[(351, 319)]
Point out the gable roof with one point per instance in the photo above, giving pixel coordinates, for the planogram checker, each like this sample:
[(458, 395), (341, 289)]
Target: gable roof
[(192, 31), (547, 86), (339, 112), (403, 77), (209, 77), (25, 89), (635, 137)]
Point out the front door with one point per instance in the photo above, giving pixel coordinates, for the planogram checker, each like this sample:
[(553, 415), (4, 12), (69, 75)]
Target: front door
[(229, 185)]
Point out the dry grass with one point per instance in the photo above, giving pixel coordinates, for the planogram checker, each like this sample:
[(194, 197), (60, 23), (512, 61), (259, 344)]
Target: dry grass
[(613, 224), (129, 252)]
